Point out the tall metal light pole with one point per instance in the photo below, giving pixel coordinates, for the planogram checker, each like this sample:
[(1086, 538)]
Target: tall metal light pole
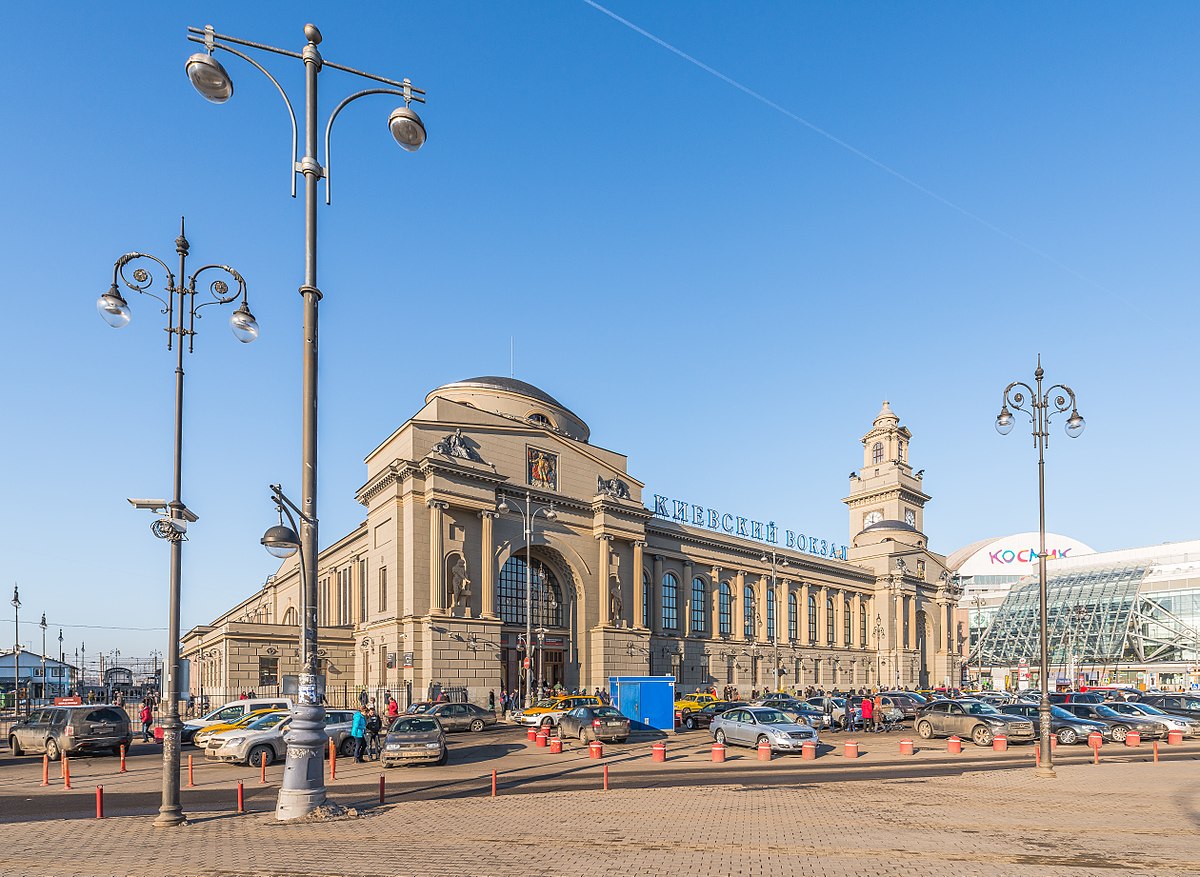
[(528, 512), (1040, 405), (16, 605), (879, 630), (303, 787), (61, 660), (776, 562), (182, 310), (42, 625), (977, 602)]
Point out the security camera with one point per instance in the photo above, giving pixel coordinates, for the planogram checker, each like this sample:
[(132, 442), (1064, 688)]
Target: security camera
[(150, 505), (171, 529)]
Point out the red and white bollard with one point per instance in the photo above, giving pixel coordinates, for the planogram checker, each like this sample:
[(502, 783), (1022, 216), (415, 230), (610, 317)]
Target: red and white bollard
[(531, 734), (606, 777), (66, 765), (808, 751), (99, 802), (595, 749), (906, 747), (45, 770), (764, 751), (381, 789), (1000, 743), (850, 750), (718, 753), (658, 752), (542, 737), (241, 798), (1174, 738), (332, 760), (954, 745), (123, 768), (191, 775), (1133, 738), (555, 745)]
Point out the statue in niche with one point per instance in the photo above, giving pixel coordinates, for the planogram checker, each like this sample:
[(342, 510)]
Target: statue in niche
[(460, 585), (615, 604), (614, 487), (457, 445)]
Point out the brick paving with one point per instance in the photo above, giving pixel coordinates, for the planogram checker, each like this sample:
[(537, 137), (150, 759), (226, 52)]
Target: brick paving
[(1136, 818)]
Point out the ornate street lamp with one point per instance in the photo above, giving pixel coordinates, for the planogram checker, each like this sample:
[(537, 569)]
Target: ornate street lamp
[(879, 630), (528, 512), (776, 562), (303, 787), (42, 625), (1040, 405), (182, 310)]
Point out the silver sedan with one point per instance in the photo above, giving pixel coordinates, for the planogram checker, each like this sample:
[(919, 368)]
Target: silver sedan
[(754, 725)]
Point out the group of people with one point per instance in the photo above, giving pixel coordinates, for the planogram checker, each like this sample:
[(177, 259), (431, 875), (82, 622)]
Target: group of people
[(368, 724)]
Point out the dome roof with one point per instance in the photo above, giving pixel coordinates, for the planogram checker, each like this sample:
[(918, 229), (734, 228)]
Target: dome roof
[(517, 400), (508, 385), (886, 415), (891, 525)]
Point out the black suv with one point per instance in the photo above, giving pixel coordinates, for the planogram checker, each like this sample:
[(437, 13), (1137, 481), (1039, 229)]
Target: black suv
[(72, 729)]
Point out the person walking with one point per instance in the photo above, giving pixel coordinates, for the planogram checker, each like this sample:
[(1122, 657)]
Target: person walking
[(373, 726), (147, 716), (868, 713), (877, 710), (393, 708), (358, 731), (362, 698)]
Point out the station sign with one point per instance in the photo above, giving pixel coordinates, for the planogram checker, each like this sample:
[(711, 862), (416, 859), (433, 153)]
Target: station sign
[(669, 509)]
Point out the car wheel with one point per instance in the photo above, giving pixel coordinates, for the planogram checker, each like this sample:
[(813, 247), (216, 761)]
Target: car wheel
[(762, 738), (346, 750), (52, 751), (582, 735), (547, 723), (15, 746), (982, 735), (477, 725), (261, 755), (689, 723), (1067, 736), (720, 737), (925, 730), (445, 757), (1119, 733)]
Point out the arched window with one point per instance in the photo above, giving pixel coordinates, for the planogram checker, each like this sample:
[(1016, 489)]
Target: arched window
[(862, 626), (847, 621), (748, 612), (647, 598), (291, 617), (792, 620), (547, 595), (877, 453), (900, 450), (829, 620), (699, 606), (726, 610), (771, 614), (670, 604), (812, 618)]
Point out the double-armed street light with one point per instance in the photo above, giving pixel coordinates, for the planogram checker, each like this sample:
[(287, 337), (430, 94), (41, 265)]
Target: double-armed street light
[(16, 605), (1040, 405), (303, 787), (182, 305), (776, 562), (528, 512)]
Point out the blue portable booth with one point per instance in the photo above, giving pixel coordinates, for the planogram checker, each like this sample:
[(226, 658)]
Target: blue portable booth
[(648, 701)]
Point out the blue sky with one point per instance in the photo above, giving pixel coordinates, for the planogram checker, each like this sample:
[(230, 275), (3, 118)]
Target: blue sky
[(723, 292)]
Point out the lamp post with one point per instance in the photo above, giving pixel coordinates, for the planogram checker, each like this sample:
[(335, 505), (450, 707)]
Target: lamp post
[(1040, 405), (977, 603), (182, 311), (879, 630), (16, 605), (302, 790), (528, 512), (155, 654), (42, 625), (776, 562)]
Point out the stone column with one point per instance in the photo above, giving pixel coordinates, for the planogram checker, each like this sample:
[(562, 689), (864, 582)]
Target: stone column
[(638, 587), (715, 615), (740, 596), (685, 623), (803, 614), (605, 543), (912, 622), (487, 566), (656, 588), (856, 632), (437, 560), (764, 629)]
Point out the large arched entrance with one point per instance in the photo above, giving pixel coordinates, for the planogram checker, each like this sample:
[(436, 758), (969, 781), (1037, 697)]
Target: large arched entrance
[(543, 593)]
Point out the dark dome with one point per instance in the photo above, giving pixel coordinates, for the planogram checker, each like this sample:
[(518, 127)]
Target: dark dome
[(891, 525)]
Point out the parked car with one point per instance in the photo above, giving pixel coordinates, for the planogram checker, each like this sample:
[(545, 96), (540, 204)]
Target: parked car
[(461, 716), (1075, 697), (1067, 727), (751, 725), (1188, 726), (594, 723), (1121, 724), (996, 698), (1175, 704), (201, 737), (71, 729), (891, 710), (975, 719), (690, 703), (547, 712), (263, 738), (414, 739), (1116, 692), (231, 712), (834, 706), (806, 715), (419, 708), (702, 718), (908, 702)]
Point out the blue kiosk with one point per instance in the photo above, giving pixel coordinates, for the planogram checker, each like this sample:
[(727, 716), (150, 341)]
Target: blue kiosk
[(648, 701)]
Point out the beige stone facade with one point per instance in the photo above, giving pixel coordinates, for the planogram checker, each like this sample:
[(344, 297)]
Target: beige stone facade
[(432, 586)]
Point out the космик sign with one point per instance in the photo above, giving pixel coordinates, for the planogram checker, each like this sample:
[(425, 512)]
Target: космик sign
[(701, 516)]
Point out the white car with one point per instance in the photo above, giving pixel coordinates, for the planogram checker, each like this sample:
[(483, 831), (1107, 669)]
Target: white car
[(231, 712), (1189, 727), (262, 740), (751, 725)]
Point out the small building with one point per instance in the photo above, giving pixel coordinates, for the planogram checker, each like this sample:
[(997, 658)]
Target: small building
[(59, 677)]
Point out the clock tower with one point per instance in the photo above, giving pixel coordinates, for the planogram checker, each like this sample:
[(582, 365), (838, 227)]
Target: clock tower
[(885, 488)]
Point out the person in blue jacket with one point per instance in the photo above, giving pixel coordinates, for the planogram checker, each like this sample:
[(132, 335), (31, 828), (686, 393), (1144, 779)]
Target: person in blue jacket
[(358, 730)]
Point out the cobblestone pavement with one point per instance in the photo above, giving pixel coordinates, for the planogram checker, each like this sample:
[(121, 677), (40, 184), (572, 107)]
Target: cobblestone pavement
[(1136, 818)]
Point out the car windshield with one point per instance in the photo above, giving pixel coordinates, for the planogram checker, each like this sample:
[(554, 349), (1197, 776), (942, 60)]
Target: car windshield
[(1060, 713), (1146, 708), (607, 712), (414, 726), (772, 717), (268, 721), (979, 708), (1107, 712), (547, 703)]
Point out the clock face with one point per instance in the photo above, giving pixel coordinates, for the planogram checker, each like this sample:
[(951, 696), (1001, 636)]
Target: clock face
[(910, 517), (872, 518)]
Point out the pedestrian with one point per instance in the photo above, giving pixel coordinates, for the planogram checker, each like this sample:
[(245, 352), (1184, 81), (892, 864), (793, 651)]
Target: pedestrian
[(358, 732), (362, 698), (492, 699), (373, 726), (877, 711), (393, 708), (147, 716), (868, 713)]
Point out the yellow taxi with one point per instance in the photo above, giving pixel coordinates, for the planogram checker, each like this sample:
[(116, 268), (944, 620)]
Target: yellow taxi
[(694, 702), (201, 737), (547, 712)]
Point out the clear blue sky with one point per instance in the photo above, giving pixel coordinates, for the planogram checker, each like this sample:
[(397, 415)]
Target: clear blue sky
[(724, 293)]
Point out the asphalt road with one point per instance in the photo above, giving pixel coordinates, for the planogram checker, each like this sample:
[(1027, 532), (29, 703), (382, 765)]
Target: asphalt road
[(520, 769)]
